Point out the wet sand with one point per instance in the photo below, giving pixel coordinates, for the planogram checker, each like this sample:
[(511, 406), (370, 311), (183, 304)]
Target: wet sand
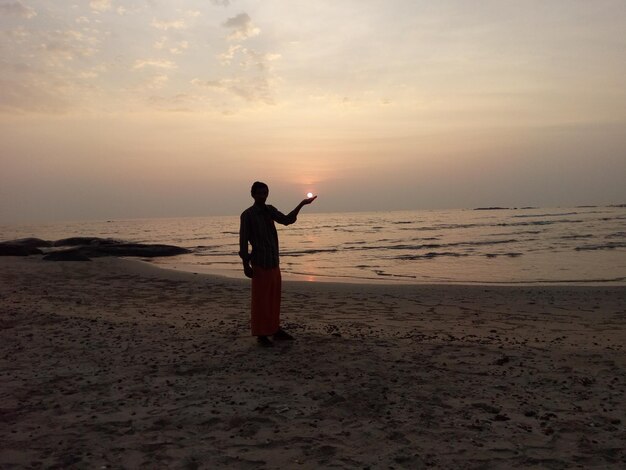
[(118, 364)]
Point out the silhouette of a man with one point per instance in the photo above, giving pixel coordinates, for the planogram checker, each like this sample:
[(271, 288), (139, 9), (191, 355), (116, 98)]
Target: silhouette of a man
[(262, 264)]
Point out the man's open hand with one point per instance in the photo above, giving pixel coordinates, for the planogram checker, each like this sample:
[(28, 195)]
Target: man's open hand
[(308, 201)]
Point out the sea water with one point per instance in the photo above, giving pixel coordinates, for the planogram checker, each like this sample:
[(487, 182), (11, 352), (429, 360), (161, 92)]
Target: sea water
[(584, 245)]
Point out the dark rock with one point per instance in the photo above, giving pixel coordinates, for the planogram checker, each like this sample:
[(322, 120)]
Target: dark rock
[(94, 247), (30, 242), (116, 248), (9, 249), (133, 249), (79, 241), (84, 248), (66, 255), (23, 247)]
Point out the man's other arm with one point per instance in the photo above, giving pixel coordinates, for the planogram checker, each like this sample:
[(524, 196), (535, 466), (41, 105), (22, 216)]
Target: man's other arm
[(244, 236)]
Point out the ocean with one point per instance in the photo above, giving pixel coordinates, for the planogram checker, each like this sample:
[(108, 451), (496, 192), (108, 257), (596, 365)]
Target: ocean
[(583, 245)]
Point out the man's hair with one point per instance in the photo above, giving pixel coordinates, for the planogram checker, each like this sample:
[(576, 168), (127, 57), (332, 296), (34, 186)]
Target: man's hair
[(256, 186)]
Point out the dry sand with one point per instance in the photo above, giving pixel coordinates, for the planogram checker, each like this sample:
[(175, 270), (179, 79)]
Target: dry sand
[(117, 364)]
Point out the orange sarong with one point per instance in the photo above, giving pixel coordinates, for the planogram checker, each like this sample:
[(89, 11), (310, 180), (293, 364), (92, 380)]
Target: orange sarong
[(265, 311)]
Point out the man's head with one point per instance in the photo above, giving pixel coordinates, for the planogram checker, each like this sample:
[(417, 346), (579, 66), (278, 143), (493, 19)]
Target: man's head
[(259, 192)]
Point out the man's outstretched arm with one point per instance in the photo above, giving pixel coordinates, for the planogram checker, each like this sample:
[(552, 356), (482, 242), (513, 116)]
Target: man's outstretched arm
[(293, 215)]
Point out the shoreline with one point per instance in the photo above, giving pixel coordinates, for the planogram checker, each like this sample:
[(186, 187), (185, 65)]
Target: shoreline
[(383, 281), (121, 363)]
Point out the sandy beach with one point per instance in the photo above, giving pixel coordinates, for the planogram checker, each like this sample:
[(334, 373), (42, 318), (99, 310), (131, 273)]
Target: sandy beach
[(115, 363)]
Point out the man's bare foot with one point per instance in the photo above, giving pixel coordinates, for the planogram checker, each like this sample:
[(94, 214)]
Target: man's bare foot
[(264, 341), (282, 335)]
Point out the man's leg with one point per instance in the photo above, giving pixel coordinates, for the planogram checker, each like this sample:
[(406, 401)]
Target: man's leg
[(276, 295), (265, 312)]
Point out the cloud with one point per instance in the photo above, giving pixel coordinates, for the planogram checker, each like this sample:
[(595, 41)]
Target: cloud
[(159, 63), (252, 78), (254, 89), (17, 9), (226, 57), (250, 57), (179, 47), (100, 5), (221, 3), (68, 45), (219, 84), (241, 27), (180, 102), (174, 48), (31, 96), (167, 25), (18, 35), (31, 89), (157, 82), (160, 44), (87, 74), (258, 60)]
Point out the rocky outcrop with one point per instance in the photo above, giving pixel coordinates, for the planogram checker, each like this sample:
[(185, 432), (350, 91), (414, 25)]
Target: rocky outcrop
[(80, 241), (11, 249), (66, 255), (23, 247), (95, 249), (128, 249), (84, 248)]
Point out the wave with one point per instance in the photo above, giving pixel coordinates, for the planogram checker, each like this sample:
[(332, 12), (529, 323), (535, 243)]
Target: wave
[(380, 272), (501, 224), (510, 255), (605, 246), (431, 255), (575, 237), (308, 252), (515, 233), (539, 222), (429, 246), (558, 214), (445, 227), (616, 235)]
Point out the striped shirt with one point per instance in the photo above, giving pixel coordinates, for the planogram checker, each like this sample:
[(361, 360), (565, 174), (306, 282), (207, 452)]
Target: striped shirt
[(257, 228)]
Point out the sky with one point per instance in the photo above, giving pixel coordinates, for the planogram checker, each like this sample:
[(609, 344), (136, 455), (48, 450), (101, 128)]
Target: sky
[(155, 108)]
